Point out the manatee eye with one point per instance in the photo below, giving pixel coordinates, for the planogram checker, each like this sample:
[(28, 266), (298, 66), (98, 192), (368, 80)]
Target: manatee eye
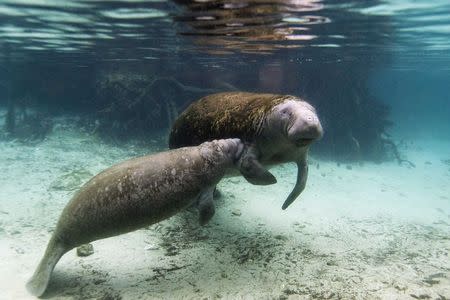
[(285, 112)]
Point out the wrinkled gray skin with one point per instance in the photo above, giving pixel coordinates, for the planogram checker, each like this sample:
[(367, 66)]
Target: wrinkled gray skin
[(285, 136), (137, 193)]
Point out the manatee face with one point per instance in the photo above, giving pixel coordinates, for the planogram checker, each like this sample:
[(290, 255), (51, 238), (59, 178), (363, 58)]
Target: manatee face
[(298, 121), (232, 148)]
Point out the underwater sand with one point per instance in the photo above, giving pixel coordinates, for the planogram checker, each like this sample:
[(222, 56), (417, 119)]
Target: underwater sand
[(358, 231)]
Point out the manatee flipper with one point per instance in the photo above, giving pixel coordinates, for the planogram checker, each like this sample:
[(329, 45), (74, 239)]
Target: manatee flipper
[(206, 206), (41, 277), (302, 176), (252, 170)]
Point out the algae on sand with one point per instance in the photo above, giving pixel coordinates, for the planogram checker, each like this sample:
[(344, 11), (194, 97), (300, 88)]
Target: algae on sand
[(71, 181)]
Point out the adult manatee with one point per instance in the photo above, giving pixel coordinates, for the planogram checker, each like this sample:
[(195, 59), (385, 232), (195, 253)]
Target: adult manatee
[(275, 128)]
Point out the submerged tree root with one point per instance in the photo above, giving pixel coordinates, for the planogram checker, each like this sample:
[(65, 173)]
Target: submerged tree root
[(150, 103), (397, 153)]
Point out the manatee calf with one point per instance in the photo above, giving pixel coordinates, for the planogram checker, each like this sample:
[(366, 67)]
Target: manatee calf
[(137, 193), (275, 129)]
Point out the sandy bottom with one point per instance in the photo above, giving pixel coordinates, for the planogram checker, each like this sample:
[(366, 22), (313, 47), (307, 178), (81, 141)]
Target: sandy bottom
[(358, 232)]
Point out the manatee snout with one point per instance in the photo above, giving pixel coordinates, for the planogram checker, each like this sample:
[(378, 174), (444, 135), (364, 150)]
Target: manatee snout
[(305, 125), (233, 148)]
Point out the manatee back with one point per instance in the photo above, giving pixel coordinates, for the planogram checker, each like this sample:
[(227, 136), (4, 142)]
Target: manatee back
[(136, 193), (222, 115)]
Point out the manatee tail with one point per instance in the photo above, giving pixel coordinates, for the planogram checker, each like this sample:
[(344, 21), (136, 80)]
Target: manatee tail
[(302, 176), (39, 281)]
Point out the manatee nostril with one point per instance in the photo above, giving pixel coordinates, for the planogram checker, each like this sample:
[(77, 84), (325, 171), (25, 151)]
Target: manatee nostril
[(307, 135)]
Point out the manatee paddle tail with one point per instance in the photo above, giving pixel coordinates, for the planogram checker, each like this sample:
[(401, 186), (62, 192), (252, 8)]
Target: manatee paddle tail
[(40, 279), (302, 176)]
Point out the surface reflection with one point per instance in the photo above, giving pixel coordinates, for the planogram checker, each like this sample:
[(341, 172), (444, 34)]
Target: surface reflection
[(263, 24), (105, 30)]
